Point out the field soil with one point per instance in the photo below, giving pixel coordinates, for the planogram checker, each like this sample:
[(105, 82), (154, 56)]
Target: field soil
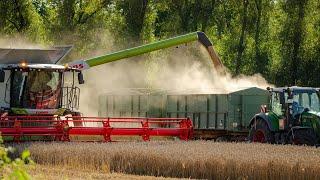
[(193, 159)]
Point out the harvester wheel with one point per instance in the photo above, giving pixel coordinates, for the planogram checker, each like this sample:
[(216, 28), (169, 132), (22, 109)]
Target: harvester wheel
[(260, 132), (302, 137)]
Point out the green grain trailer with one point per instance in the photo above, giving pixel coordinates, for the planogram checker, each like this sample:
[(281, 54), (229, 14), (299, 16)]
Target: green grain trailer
[(131, 103), (213, 115)]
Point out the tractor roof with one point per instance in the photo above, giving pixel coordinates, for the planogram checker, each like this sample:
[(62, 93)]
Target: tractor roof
[(34, 56), (295, 89)]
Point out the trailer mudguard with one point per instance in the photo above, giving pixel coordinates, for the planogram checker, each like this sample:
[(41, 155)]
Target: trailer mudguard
[(265, 118), (135, 51)]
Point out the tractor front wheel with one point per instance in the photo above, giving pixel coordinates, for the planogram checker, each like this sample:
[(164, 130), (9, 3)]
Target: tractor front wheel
[(260, 132)]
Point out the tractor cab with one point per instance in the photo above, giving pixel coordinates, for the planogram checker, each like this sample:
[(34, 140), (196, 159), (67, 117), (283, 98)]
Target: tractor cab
[(31, 84), (294, 101)]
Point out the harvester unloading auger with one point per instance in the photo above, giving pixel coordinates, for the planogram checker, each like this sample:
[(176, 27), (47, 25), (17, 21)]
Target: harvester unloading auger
[(36, 105)]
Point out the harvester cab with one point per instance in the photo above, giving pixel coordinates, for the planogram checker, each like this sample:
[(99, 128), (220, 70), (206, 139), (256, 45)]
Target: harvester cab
[(32, 84), (294, 117)]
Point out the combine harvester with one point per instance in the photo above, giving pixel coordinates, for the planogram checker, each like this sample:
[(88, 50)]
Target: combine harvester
[(36, 104)]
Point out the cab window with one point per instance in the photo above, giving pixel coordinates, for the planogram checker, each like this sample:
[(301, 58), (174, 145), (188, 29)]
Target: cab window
[(276, 105)]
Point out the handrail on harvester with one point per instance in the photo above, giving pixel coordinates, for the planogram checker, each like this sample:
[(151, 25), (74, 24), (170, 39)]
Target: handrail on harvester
[(61, 129)]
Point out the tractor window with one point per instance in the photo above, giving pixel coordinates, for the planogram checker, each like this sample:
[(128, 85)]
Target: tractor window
[(307, 100), (315, 102), (276, 105)]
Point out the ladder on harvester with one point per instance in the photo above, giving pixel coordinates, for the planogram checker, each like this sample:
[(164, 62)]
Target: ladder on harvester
[(60, 128)]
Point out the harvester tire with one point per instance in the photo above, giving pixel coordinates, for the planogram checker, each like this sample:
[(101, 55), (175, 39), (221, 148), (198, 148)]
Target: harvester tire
[(260, 132), (302, 137)]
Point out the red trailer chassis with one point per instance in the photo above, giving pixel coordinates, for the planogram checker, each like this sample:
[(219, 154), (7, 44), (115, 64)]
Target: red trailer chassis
[(61, 128)]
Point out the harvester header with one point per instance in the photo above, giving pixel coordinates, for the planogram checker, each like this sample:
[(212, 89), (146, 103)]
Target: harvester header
[(135, 51)]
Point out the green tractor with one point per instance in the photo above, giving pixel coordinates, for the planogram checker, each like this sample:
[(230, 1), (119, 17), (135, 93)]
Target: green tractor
[(293, 118)]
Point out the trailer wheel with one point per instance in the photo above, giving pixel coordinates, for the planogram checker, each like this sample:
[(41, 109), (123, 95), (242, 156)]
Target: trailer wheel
[(302, 137), (221, 139), (260, 132)]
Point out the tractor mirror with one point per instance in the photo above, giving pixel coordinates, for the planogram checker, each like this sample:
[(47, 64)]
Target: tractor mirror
[(80, 78), (2, 76)]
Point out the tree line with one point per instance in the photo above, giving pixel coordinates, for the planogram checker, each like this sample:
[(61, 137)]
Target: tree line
[(279, 39)]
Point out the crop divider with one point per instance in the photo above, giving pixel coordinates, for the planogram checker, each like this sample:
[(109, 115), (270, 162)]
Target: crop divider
[(146, 129), (61, 129), (107, 130), (17, 127)]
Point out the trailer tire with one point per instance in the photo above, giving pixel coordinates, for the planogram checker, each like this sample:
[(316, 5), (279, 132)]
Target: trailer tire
[(302, 137), (221, 139), (260, 132)]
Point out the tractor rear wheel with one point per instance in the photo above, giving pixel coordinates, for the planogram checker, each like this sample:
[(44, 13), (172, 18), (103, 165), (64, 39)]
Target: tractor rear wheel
[(302, 137), (260, 132)]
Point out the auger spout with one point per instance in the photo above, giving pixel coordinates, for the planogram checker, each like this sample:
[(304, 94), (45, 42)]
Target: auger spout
[(135, 51)]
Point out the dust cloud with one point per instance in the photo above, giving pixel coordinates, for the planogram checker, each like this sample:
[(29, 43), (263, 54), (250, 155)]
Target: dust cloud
[(19, 42), (184, 71), (115, 77), (180, 72), (197, 75)]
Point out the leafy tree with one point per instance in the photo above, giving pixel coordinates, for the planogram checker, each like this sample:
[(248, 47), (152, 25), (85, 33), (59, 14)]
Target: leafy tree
[(20, 17), (134, 13), (292, 37), (277, 38), (310, 65)]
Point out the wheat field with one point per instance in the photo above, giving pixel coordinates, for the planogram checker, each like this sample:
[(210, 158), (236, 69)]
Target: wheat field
[(39, 172), (193, 159)]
